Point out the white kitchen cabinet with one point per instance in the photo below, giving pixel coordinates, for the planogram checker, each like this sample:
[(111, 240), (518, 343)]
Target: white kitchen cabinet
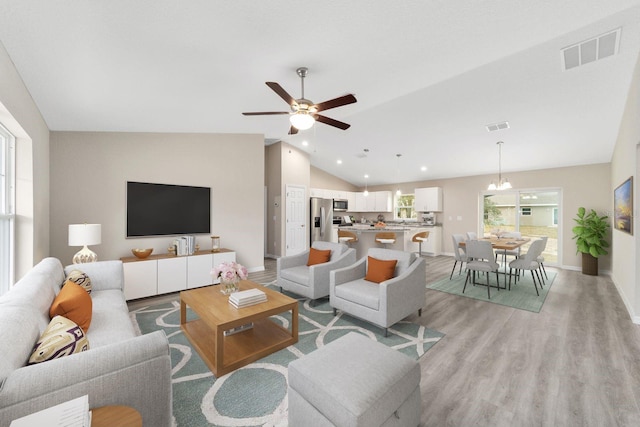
[(165, 273), (351, 198), (361, 203), (428, 199), (384, 201), (433, 245), (317, 192), (140, 279), (172, 275)]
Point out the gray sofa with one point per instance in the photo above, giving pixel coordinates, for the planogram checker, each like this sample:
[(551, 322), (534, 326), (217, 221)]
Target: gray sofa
[(120, 367)]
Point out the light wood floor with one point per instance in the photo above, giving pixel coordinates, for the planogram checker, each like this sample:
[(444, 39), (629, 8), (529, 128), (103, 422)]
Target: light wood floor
[(576, 363)]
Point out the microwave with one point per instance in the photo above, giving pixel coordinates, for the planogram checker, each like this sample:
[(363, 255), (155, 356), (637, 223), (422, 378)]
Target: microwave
[(340, 205)]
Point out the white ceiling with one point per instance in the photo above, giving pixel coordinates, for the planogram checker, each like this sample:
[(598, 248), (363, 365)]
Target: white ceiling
[(428, 75)]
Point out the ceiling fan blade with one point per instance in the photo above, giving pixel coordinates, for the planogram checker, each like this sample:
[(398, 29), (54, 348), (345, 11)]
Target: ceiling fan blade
[(336, 102), (331, 122), (281, 92), (265, 113), (293, 130)]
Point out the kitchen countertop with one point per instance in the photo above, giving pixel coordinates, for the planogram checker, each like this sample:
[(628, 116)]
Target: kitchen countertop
[(388, 227)]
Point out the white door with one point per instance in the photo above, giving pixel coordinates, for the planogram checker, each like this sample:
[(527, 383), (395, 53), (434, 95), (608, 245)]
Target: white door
[(296, 219)]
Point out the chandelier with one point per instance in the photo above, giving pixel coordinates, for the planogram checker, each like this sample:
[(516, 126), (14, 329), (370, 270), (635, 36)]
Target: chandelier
[(503, 184)]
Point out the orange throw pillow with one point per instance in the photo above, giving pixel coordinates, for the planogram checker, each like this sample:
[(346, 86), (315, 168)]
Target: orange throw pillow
[(379, 270), (317, 256), (74, 303)]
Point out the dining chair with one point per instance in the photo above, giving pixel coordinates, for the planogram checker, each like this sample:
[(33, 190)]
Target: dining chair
[(386, 238), (472, 235), (480, 259), (459, 253), (541, 258), (529, 262), (509, 252), (419, 238)]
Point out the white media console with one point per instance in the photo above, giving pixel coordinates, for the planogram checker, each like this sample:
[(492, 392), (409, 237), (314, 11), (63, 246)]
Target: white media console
[(166, 273)]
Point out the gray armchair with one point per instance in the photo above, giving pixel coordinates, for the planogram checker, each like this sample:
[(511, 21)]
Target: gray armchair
[(385, 303), (312, 282)]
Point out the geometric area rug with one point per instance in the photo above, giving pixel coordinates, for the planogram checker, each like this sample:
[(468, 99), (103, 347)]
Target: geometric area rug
[(256, 394), (521, 296)]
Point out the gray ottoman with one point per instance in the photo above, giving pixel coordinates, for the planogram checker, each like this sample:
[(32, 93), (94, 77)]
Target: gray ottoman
[(354, 381)]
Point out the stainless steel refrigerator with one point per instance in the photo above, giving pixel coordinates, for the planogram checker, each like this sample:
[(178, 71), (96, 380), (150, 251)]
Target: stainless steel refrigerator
[(321, 219)]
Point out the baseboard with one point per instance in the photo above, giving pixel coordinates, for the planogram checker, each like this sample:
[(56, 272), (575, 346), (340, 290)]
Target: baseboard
[(634, 318), (271, 256)]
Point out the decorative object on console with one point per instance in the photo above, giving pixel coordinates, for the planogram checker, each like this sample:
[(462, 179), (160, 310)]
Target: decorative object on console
[(142, 253), (230, 273), (85, 235), (215, 243)]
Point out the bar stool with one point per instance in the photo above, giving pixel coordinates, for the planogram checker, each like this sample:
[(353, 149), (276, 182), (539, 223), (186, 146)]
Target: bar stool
[(386, 238), (347, 237), (419, 238)]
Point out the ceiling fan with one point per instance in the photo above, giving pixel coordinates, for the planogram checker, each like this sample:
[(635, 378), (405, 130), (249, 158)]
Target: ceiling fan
[(304, 113)]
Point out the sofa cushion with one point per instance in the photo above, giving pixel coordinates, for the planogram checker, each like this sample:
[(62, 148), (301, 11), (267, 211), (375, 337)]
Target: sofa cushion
[(111, 321), (20, 329), (62, 338), (360, 292), (298, 274), (317, 256), (74, 303), (80, 278), (379, 270)]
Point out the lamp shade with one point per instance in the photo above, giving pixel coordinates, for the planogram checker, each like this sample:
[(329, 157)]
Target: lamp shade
[(85, 234)]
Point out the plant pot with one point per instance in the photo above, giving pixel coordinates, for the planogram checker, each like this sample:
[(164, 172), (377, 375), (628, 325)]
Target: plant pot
[(589, 264)]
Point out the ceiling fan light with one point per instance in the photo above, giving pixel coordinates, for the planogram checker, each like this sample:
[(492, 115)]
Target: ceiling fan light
[(302, 120)]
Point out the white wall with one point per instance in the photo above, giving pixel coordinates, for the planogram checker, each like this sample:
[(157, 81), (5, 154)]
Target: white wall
[(626, 260), (89, 171), (19, 113)]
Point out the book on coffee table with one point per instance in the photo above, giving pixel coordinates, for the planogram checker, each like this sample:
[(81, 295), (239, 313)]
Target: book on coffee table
[(247, 298)]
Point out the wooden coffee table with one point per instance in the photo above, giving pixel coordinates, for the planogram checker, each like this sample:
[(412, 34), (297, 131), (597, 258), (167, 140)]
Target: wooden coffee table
[(223, 354)]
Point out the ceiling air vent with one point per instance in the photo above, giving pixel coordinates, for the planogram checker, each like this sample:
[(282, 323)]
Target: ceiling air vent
[(497, 126), (591, 50)]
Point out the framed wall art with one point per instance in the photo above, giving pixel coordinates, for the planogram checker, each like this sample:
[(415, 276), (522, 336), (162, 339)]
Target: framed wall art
[(623, 207)]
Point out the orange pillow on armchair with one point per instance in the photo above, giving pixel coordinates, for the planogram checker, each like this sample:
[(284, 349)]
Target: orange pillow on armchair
[(317, 256), (379, 270)]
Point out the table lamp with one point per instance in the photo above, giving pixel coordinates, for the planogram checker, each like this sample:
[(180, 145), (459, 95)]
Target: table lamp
[(84, 235)]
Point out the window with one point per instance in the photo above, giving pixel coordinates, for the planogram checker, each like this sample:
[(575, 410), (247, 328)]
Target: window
[(404, 208), (7, 212)]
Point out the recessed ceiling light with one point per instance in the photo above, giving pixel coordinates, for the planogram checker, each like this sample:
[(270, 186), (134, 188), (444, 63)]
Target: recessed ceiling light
[(423, 168), (339, 161), (366, 176), (305, 143)]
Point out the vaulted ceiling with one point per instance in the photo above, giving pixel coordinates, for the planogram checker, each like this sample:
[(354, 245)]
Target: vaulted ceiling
[(428, 76)]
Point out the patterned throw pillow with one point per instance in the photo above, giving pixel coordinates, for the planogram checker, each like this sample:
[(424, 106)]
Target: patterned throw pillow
[(80, 278), (62, 337), (74, 303)]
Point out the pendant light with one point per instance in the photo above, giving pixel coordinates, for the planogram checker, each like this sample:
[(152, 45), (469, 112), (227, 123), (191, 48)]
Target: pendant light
[(503, 184), (366, 176), (398, 191)]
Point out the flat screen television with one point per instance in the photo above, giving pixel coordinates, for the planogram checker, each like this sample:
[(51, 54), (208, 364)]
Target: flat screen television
[(162, 209)]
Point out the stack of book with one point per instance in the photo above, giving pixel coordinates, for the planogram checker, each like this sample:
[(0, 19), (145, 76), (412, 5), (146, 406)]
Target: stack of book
[(73, 413), (185, 245), (247, 298)]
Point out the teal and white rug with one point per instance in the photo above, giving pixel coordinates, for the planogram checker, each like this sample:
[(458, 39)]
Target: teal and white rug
[(521, 296), (256, 395)]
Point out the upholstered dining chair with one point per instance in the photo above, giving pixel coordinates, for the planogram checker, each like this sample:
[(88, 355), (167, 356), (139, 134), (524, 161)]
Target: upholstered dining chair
[(472, 235), (459, 253), (395, 297), (480, 258), (509, 252), (541, 258), (419, 238), (529, 262), (386, 238)]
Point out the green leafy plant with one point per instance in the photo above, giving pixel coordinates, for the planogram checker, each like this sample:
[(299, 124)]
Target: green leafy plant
[(590, 232)]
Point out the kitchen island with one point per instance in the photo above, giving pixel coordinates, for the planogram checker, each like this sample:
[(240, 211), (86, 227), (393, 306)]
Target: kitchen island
[(404, 233)]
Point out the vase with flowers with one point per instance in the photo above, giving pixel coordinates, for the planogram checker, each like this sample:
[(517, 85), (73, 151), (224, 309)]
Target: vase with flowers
[(230, 274)]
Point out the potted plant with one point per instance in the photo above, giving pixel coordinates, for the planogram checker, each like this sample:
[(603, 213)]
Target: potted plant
[(590, 233)]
